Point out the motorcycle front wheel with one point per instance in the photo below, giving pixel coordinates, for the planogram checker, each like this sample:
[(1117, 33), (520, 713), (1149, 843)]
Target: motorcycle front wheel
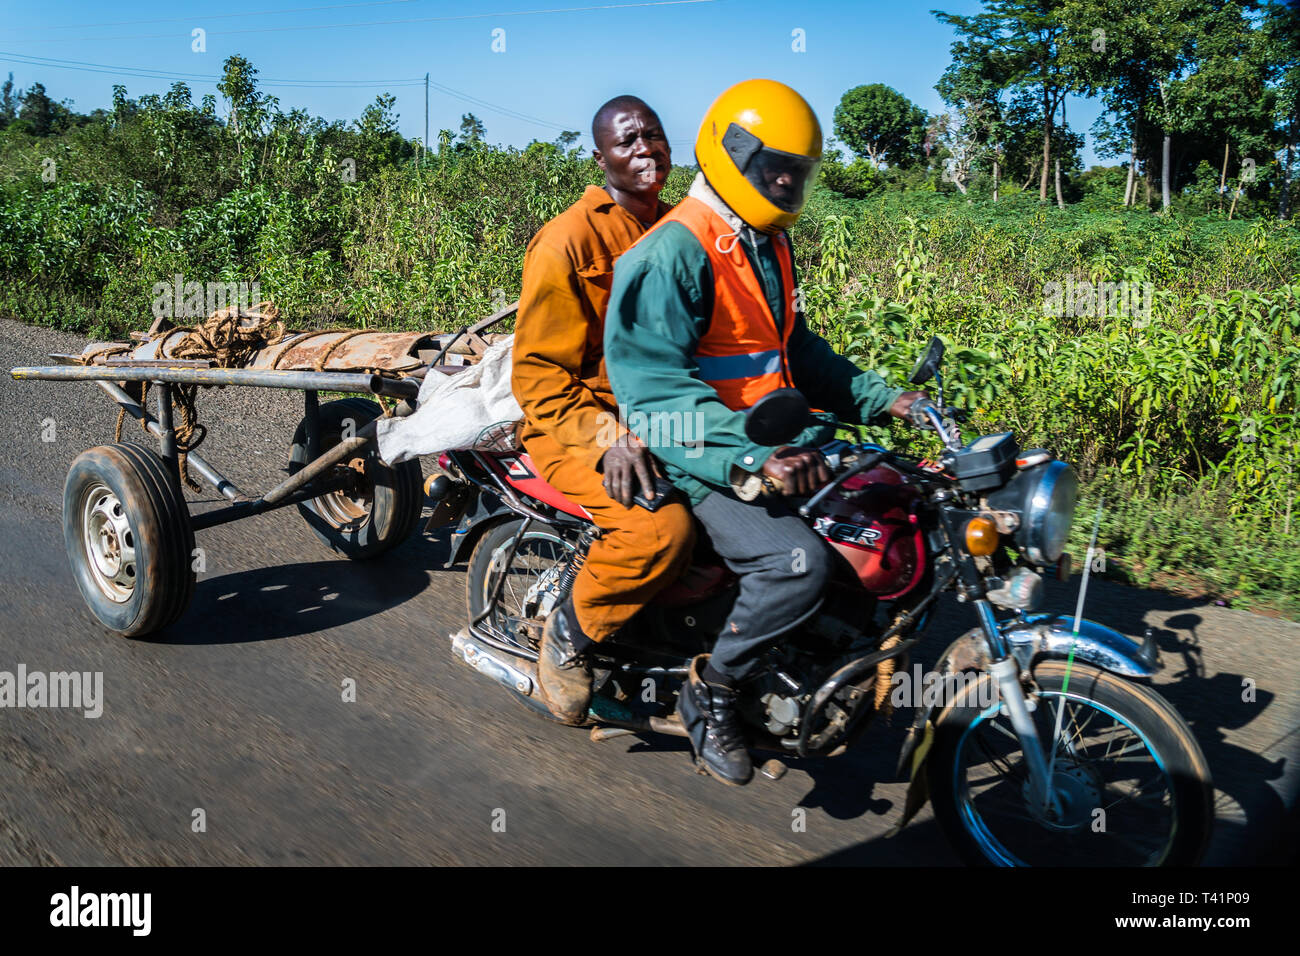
[(1131, 784)]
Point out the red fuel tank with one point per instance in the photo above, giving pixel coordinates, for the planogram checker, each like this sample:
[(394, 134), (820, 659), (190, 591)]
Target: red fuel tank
[(871, 521)]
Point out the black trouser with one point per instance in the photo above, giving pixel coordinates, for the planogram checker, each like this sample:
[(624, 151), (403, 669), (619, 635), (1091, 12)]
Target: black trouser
[(783, 567)]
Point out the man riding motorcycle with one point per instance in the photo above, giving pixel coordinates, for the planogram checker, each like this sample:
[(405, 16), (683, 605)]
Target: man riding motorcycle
[(703, 320)]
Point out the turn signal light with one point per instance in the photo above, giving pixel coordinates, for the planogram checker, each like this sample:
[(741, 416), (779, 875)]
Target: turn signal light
[(981, 536)]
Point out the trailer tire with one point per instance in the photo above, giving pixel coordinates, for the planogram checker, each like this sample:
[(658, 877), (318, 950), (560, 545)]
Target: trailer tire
[(379, 519), (127, 532)]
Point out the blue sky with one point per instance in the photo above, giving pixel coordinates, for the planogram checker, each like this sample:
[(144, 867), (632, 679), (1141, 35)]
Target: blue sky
[(556, 67)]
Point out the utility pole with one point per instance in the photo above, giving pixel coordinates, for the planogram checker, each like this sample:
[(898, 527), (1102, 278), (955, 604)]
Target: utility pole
[(426, 112)]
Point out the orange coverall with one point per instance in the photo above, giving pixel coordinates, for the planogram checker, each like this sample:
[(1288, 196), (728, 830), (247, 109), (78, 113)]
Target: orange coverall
[(560, 382)]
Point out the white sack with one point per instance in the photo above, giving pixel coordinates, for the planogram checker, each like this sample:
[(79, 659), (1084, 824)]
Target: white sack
[(453, 411)]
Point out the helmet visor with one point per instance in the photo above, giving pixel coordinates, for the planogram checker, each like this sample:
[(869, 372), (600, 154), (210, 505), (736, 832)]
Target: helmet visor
[(783, 179)]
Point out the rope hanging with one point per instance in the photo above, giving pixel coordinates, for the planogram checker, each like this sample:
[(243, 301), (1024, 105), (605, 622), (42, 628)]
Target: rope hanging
[(228, 338)]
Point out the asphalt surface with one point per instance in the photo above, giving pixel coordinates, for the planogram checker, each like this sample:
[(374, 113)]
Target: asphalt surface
[(238, 710)]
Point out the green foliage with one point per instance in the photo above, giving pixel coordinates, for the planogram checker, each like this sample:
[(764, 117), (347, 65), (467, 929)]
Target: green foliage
[(1193, 407), (856, 180), (879, 124), (1190, 410)]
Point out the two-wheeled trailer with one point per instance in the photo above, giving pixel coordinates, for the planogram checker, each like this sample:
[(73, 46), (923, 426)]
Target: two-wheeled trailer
[(127, 526)]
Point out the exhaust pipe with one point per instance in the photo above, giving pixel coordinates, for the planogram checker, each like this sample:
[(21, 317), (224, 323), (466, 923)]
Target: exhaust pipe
[(516, 675)]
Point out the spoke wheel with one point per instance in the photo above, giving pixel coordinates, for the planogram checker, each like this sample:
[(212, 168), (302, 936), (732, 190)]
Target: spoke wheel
[(1130, 784), (530, 579)]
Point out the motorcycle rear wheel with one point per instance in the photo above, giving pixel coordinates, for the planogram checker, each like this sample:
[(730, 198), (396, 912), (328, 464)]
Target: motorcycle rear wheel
[(535, 567), (1133, 784)]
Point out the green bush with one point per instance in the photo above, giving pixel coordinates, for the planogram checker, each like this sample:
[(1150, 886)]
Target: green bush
[(1189, 409)]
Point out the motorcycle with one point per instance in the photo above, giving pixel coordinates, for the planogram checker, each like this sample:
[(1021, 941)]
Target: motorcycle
[(1035, 740)]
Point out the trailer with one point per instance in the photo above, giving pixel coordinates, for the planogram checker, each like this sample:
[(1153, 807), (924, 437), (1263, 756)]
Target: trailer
[(127, 527)]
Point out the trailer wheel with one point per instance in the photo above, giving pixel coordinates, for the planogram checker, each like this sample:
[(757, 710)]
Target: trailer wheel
[(378, 512), (127, 532)]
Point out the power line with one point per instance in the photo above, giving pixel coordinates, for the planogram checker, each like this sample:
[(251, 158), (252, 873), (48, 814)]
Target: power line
[(140, 73), (215, 16), (87, 67), (371, 23)]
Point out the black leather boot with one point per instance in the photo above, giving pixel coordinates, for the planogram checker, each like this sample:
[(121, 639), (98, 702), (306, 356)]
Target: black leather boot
[(563, 674), (708, 712)]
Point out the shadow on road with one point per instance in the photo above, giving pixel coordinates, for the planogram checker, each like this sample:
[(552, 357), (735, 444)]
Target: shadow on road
[(291, 599)]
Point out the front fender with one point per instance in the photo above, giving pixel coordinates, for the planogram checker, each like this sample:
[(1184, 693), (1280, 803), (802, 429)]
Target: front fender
[(1029, 638), (1053, 635)]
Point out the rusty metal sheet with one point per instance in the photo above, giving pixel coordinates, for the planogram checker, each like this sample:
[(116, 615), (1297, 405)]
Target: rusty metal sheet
[(300, 351), (394, 351)]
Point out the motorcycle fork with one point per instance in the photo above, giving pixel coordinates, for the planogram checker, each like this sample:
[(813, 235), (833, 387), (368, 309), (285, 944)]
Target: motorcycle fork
[(1005, 670)]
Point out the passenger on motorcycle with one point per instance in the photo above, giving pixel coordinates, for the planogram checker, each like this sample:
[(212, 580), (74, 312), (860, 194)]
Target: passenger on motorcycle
[(560, 382), (703, 320)]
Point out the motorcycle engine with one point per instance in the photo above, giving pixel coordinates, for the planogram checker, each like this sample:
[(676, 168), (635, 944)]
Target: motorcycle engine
[(841, 623)]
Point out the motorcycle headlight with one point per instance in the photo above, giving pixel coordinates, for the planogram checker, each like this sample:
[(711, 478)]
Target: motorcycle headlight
[(1044, 495), (1049, 509)]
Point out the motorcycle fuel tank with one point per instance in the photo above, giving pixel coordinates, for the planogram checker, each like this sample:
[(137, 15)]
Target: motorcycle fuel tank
[(871, 521)]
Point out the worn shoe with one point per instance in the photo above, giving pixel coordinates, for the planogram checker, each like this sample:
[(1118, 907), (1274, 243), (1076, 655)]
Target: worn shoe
[(563, 674), (708, 712)]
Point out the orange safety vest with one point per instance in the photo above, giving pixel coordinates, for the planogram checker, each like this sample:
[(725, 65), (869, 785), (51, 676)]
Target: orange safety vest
[(742, 355)]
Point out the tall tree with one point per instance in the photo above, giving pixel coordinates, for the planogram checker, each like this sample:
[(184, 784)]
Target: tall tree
[(8, 102), (1281, 28), (1131, 54), (38, 112), (1222, 106), (1015, 45), (472, 130), (238, 85), (878, 123)]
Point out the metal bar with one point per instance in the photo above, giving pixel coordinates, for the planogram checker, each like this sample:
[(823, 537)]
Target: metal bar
[(154, 363), (205, 471), (256, 506), (442, 353), (326, 461), (257, 378), (394, 387), (494, 318), (167, 440), (311, 418)]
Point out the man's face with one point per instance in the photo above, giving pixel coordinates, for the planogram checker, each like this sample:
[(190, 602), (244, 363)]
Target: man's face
[(633, 152), (780, 185)]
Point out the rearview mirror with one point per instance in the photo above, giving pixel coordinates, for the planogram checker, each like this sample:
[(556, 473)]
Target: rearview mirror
[(928, 363), (777, 417)]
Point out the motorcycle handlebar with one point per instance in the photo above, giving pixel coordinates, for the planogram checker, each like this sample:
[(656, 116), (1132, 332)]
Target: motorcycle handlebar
[(927, 416)]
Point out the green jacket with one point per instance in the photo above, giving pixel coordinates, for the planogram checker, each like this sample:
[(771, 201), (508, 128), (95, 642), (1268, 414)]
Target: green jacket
[(659, 307)]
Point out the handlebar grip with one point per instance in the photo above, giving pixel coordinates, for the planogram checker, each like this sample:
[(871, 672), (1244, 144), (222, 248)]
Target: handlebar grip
[(917, 413)]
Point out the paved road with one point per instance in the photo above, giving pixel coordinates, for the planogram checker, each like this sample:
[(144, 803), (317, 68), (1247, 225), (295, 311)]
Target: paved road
[(238, 711)]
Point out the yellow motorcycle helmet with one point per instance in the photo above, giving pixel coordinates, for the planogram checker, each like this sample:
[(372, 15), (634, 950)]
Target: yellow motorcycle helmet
[(760, 146)]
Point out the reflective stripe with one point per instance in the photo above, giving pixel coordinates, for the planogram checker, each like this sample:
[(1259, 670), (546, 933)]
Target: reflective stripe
[(717, 368)]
